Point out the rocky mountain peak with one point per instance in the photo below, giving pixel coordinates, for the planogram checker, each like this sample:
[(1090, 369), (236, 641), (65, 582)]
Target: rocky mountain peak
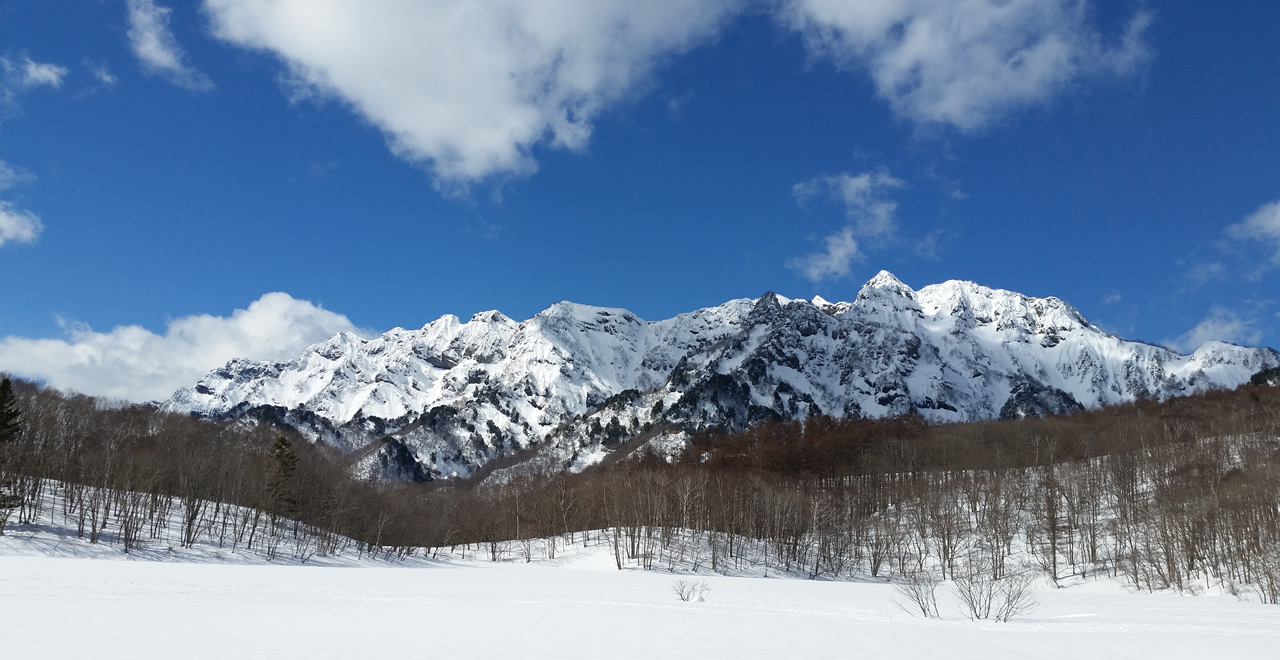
[(491, 316), (576, 382), (830, 308), (884, 284)]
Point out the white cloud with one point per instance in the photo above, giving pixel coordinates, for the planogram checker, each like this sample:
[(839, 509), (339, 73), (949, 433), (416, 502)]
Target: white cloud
[(469, 89), (1206, 272), (1221, 325), (930, 245), (1262, 226), (35, 74), (863, 197), (156, 48), (966, 63), (23, 75), (870, 213), (9, 177), (102, 74), (842, 250), (17, 225), (133, 363)]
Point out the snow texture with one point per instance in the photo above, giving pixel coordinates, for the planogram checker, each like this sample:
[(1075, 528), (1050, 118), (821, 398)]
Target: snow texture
[(68, 599)]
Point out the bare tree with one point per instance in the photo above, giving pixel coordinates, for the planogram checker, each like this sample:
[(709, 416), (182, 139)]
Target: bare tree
[(687, 590), (1015, 595), (975, 587), (920, 588)]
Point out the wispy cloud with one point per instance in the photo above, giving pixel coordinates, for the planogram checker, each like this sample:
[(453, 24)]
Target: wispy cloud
[(468, 89), (158, 50), (842, 250), (930, 246), (1207, 272), (863, 196), (101, 73), (133, 363), (1221, 325), (1262, 226), (1245, 251), (16, 225), (967, 63), (20, 76), (869, 211), (36, 74), (10, 177)]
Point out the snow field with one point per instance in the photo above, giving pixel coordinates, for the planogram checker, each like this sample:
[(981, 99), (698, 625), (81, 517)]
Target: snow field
[(583, 607), (61, 597)]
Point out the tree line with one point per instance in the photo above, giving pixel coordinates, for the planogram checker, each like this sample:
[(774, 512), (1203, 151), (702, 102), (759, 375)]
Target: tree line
[(1182, 494)]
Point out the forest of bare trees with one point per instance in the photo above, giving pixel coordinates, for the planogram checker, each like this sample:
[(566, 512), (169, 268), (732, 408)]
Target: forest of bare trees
[(1177, 495)]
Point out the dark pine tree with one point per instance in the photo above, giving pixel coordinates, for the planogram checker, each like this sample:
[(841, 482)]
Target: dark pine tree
[(281, 488), (9, 428), (9, 412)]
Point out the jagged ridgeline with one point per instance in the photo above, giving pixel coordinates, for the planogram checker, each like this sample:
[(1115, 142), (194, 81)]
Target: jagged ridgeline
[(577, 385)]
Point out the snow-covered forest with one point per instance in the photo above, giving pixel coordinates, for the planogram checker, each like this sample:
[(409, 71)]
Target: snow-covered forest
[(1179, 495)]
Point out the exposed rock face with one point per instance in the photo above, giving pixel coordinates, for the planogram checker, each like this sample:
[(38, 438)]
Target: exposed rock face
[(578, 382), (1269, 377)]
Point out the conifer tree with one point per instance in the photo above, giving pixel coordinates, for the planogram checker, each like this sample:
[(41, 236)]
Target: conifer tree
[(9, 428), (281, 489), (9, 412)]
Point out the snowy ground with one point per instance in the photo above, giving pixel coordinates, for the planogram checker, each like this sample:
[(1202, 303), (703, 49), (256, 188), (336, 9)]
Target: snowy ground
[(61, 598)]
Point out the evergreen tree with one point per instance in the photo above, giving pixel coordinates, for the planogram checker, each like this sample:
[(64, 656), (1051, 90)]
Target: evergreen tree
[(9, 428), (9, 412), (281, 490)]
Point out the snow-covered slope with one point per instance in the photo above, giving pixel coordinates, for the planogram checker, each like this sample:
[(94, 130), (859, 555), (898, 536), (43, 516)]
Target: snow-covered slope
[(577, 382)]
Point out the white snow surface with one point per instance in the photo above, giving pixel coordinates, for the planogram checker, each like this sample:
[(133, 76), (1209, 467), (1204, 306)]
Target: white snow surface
[(63, 598), (955, 351)]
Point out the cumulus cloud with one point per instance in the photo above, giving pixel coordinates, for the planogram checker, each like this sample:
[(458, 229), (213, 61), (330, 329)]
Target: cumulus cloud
[(158, 50), (1263, 226), (966, 63), (1221, 325), (133, 363), (871, 215), (469, 89)]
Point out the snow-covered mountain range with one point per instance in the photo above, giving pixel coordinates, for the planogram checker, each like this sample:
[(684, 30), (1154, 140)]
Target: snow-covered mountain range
[(575, 383)]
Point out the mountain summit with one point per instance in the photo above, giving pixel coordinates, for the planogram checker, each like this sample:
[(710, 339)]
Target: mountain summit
[(577, 382)]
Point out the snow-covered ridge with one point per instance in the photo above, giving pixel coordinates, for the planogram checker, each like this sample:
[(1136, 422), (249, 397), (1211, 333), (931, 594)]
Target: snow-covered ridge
[(579, 381)]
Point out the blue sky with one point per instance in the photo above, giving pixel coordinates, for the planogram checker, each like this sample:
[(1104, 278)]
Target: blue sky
[(166, 165)]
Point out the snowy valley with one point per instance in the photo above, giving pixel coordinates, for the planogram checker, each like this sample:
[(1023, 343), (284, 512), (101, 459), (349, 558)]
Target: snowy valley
[(1138, 529)]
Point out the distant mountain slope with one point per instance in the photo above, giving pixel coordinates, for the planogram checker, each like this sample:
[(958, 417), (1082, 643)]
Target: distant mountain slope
[(575, 382)]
